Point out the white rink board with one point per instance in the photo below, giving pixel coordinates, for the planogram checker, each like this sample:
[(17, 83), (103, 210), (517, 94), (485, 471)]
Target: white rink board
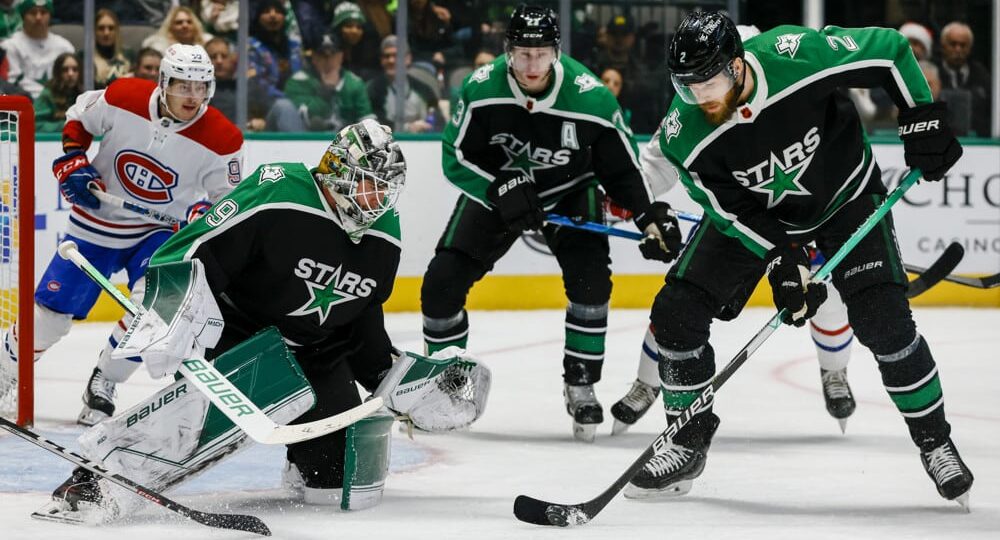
[(964, 208)]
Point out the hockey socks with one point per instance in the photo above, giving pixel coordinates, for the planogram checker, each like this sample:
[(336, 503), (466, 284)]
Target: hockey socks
[(683, 377), (911, 378), (446, 332), (586, 327)]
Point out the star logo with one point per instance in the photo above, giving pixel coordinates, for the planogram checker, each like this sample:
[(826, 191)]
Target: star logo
[(586, 82), (783, 180), (271, 173), (321, 299), (672, 125), (482, 73), (788, 44), (520, 161)]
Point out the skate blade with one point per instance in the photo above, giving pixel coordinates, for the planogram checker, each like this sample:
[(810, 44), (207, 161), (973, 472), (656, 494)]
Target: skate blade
[(60, 511), (584, 432), (673, 490), (843, 425), (90, 417), (619, 427), (963, 501)]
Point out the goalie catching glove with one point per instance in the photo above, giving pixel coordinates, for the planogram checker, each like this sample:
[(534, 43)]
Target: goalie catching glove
[(446, 391), (180, 322)]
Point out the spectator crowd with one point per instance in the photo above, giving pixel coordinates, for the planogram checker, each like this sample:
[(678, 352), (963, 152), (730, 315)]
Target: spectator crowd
[(318, 65)]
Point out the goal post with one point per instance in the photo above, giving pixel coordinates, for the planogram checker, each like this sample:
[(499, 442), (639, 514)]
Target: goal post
[(17, 241)]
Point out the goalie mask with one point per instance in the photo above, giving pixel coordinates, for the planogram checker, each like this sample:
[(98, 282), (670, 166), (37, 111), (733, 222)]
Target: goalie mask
[(363, 170)]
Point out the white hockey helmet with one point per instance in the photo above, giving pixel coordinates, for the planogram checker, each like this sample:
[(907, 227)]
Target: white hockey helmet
[(363, 169), (187, 63)]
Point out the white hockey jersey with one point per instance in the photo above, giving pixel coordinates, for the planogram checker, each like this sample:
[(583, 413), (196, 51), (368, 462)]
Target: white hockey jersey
[(152, 161)]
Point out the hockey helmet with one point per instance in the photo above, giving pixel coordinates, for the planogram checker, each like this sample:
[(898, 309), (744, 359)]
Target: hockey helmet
[(189, 63), (531, 27), (700, 56), (363, 169)]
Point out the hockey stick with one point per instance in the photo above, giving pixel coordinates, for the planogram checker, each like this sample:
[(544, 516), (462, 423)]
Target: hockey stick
[(927, 278), (237, 522), (985, 282), (539, 512), (222, 393), (118, 202)]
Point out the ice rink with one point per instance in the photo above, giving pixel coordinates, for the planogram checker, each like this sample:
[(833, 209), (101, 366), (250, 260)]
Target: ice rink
[(779, 467)]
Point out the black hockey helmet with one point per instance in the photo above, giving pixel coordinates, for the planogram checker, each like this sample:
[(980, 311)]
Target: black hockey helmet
[(705, 43), (533, 26)]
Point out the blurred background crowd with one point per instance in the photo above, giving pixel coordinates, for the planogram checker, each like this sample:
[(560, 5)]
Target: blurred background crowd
[(316, 65)]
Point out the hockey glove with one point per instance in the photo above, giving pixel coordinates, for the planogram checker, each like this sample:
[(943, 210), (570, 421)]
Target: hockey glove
[(196, 210), (928, 142), (75, 173), (663, 235), (517, 202), (788, 274)]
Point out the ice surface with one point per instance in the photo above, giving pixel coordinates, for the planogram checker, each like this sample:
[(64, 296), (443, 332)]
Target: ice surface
[(779, 467)]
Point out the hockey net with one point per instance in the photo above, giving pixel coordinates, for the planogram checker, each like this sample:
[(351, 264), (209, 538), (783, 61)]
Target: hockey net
[(17, 188)]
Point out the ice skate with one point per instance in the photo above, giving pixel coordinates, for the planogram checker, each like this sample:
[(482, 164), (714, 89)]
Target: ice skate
[(77, 501), (671, 472), (837, 394), (582, 405), (98, 400), (949, 473), (629, 409)]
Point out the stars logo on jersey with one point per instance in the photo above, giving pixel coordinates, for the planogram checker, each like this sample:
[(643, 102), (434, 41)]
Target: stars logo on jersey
[(788, 44), (524, 159), (672, 125), (781, 173), (271, 173), (329, 286), (586, 82), (482, 74)]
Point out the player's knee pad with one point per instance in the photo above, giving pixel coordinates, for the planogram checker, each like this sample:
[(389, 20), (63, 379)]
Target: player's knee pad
[(50, 327), (682, 314), (447, 281), (176, 433), (881, 318)]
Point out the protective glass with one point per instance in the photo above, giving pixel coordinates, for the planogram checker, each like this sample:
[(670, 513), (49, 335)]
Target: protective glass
[(532, 59), (713, 89)]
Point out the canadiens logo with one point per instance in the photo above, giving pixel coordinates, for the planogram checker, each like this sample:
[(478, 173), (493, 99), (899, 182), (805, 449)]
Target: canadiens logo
[(329, 286), (145, 178)]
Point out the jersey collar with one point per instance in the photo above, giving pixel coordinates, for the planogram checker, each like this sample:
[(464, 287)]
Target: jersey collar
[(537, 105), (749, 111)]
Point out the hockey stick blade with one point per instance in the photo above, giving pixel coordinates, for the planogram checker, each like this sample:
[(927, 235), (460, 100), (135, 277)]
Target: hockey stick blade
[(985, 282), (236, 522), (937, 271), (538, 512), (220, 391)]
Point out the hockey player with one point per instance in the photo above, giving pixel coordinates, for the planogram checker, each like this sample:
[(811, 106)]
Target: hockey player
[(531, 132), (163, 147), (312, 253), (766, 142)]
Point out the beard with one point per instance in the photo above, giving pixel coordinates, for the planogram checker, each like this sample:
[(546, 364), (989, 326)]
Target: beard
[(721, 111)]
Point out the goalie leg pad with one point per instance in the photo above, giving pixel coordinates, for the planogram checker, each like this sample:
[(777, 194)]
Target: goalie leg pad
[(175, 434), (366, 461), (445, 391)]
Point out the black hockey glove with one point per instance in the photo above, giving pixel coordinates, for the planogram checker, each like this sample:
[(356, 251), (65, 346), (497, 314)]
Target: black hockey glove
[(517, 202), (928, 142), (788, 274), (663, 235)]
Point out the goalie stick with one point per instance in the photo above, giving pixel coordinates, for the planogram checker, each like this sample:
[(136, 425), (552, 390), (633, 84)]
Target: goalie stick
[(118, 202), (236, 522), (926, 278), (539, 512), (222, 393)]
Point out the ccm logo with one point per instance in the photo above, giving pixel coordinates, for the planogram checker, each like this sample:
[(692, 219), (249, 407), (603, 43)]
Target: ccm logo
[(920, 127)]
